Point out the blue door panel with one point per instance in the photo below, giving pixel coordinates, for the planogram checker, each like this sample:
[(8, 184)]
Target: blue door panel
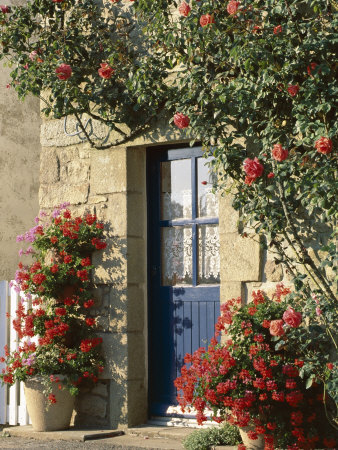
[(181, 318)]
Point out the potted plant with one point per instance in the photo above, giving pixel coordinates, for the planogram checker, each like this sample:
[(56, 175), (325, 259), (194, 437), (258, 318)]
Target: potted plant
[(260, 379), (58, 350)]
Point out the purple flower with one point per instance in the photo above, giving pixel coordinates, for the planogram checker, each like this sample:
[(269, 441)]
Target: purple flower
[(30, 360), (20, 238), (21, 252)]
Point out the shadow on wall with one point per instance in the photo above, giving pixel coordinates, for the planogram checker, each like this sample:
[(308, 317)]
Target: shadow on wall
[(92, 407)]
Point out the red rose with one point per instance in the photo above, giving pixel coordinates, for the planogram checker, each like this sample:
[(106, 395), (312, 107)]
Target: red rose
[(181, 121), (292, 317), (293, 89), (276, 327), (60, 311), (184, 9), (232, 7), (54, 268), (38, 278), (90, 321), (277, 29), (88, 303), (279, 153), (63, 72), (85, 262), (90, 219), (5, 9), (271, 175), (67, 259), (329, 366), (106, 71), (253, 168), (311, 67), (324, 145), (206, 19)]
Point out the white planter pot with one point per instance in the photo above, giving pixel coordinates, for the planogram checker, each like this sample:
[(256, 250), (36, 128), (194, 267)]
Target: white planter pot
[(44, 415)]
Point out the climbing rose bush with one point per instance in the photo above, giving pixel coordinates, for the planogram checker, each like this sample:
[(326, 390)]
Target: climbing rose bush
[(257, 377), (54, 319)]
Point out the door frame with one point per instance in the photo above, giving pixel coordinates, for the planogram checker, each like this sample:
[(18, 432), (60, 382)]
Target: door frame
[(155, 155)]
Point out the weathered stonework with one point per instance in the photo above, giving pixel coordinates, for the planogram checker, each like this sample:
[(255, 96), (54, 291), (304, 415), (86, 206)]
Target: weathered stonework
[(111, 183)]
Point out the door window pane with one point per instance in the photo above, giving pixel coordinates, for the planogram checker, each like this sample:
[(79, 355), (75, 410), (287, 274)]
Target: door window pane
[(207, 201), (176, 189), (176, 256), (208, 254)]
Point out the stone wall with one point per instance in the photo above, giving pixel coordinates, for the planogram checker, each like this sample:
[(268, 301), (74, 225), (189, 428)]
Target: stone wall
[(19, 171), (112, 184)]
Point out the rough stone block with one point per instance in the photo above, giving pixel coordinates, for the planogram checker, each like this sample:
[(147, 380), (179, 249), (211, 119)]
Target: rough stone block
[(93, 199), (116, 356), (51, 195), (136, 257), (111, 263), (136, 170), (118, 403), (75, 172), (230, 289), (136, 224), (136, 308), (118, 310), (100, 389), (273, 271), (92, 405), (115, 214), (68, 154), (228, 217), (136, 356), (240, 258), (137, 403), (108, 171), (49, 166)]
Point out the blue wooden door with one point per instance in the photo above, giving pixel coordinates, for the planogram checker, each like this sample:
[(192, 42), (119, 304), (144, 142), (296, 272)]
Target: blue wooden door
[(183, 265)]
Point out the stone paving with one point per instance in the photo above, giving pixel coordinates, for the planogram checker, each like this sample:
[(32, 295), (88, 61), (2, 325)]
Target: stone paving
[(146, 437)]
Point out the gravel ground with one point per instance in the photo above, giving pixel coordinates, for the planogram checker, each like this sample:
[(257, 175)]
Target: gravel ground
[(117, 443)]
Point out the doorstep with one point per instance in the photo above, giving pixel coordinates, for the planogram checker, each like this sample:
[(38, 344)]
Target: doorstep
[(72, 434)]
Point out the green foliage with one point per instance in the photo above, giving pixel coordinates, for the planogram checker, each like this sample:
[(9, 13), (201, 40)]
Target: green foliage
[(204, 439)]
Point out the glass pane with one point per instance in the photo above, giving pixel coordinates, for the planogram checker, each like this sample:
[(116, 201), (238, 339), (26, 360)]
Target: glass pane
[(207, 201), (176, 256), (176, 189), (208, 255)]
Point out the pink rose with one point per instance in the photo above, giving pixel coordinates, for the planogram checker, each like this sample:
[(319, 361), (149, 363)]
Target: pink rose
[(276, 327), (206, 19), (253, 169), (5, 9), (278, 29), (293, 89), (292, 317), (181, 121), (279, 153), (324, 145), (33, 55), (106, 71), (63, 72), (232, 7), (184, 9)]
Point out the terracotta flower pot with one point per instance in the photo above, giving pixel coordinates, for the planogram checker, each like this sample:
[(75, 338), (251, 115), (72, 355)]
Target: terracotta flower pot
[(44, 415), (251, 444)]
